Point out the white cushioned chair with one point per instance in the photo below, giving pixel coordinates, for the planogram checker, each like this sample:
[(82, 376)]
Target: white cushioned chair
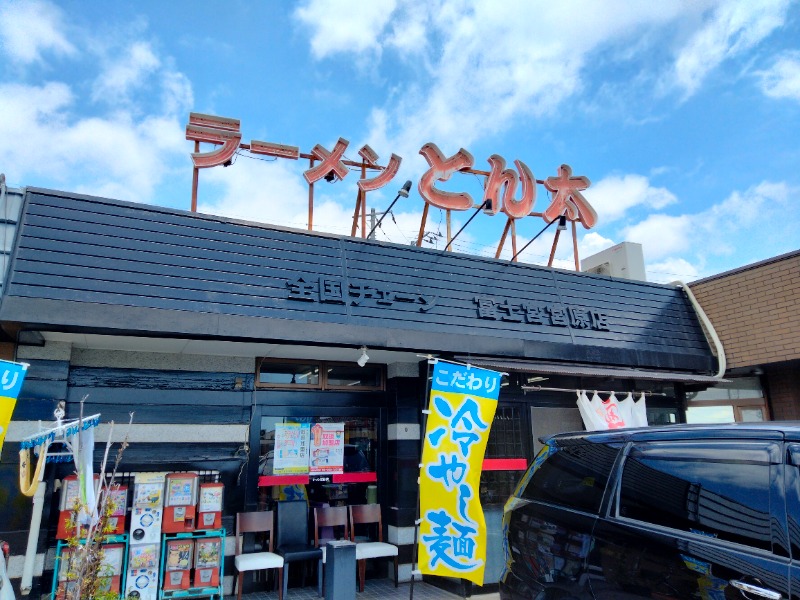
[(369, 516), (256, 522)]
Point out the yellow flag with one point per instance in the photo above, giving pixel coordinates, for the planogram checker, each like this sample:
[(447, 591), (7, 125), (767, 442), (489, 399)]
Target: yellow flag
[(452, 534), (11, 376)]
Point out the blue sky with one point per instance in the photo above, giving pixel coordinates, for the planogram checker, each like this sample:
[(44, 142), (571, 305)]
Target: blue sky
[(684, 115)]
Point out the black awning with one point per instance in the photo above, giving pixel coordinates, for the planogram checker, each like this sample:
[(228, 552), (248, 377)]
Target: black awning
[(527, 366)]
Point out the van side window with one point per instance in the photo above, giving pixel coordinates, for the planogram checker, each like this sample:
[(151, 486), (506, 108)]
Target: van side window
[(717, 489), (575, 476)]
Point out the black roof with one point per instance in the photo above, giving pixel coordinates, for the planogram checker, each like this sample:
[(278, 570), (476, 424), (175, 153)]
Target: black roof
[(83, 264)]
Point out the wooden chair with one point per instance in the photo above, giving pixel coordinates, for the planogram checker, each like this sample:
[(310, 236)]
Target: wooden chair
[(292, 539), (330, 517), (370, 515), (256, 522)]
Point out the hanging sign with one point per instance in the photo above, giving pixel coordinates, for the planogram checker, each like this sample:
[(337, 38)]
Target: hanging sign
[(291, 448), (327, 448), (452, 537), (12, 375)]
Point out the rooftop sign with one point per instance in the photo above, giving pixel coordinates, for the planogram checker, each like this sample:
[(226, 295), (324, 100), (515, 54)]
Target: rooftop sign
[(500, 189)]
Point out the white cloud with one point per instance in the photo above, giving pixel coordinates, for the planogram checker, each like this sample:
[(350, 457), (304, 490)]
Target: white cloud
[(613, 196), (483, 66), (123, 74), (127, 153), (661, 235), (30, 28), (671, 269), (256, 191), (731, 28), (757, 221), (486, 65), (177, 94), (592, 243), (782, 79), (341, 26)]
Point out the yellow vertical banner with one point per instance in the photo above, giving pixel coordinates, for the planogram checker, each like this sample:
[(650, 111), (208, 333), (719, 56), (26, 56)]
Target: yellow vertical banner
[(452, 531), (11, 376)]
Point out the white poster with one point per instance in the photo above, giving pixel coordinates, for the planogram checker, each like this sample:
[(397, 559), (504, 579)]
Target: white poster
[(327, 448), (291, 448)]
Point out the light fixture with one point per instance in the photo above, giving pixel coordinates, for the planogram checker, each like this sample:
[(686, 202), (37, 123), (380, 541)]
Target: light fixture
[(562, 223), (403, 193), (362, 360)]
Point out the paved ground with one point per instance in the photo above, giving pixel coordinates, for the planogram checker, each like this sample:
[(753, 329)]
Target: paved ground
[(374, 589)]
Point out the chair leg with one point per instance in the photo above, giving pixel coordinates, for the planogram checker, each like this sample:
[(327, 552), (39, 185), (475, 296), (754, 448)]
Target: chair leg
[(285, 580), (362, 573), (239, 585), (395, 571), (280, 583), (319, 578)]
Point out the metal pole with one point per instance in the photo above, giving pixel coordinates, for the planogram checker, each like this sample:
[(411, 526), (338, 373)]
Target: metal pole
[(428, 385), (486, 204)]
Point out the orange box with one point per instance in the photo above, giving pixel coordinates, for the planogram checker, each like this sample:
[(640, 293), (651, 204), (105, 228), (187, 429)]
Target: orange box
[(117, 519), (180, 508), (70, 493), (207, 560), (177, 575), (209, 507)]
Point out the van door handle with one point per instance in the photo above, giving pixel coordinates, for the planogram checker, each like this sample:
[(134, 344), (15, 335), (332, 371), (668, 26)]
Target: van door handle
[(754, 589)]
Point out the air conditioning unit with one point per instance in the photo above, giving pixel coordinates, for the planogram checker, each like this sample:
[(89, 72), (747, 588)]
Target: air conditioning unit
[(625, 260)]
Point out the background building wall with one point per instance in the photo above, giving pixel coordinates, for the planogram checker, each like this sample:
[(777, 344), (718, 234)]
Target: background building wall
[(755, 310)]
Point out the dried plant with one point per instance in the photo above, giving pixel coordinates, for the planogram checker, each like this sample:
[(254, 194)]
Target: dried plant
[(88, 574)]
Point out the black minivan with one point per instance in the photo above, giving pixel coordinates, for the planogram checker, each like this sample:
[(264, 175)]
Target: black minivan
[(684, 511)]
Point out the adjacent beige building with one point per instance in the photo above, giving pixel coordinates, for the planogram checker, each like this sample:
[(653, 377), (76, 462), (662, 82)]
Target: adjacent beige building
[(755, 310)]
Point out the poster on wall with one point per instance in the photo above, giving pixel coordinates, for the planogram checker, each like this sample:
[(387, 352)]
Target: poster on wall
[(327, 449), (291, 448)]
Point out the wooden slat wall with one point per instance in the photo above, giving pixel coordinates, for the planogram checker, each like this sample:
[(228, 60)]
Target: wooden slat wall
[(161, 271)]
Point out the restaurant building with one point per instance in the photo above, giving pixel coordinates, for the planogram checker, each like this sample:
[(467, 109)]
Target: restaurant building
[(212, 331)]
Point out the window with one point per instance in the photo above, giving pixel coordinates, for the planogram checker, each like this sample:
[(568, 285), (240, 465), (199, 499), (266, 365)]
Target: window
[(740, 400), (296, 374), (506, 441), (359, 456), (575, 476), (717, 489)]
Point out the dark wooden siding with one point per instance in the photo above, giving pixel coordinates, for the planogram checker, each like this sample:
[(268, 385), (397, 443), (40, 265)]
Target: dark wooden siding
[(90, 264)]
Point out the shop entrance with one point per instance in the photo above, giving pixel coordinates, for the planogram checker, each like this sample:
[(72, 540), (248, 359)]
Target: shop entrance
[(307, 450)]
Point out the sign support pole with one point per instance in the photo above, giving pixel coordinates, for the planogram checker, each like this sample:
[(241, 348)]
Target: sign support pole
[(423, 425)]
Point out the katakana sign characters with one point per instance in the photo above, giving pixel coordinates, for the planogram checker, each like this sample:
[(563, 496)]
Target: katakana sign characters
[(12, 375), (337, 290), (452, 539), (501, 178), (500, 186), (382, 178), (567, 198), (331, 162), (213, 130), (441, 170)]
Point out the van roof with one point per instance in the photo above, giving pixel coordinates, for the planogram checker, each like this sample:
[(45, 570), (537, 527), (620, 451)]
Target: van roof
[(777, 430)]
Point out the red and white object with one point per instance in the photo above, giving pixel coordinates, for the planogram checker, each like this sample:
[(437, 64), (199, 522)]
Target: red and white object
[(178, 568), (209, 508), (180, 506), (110, 573), (598, 414), (70, 495), (207, 561)]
